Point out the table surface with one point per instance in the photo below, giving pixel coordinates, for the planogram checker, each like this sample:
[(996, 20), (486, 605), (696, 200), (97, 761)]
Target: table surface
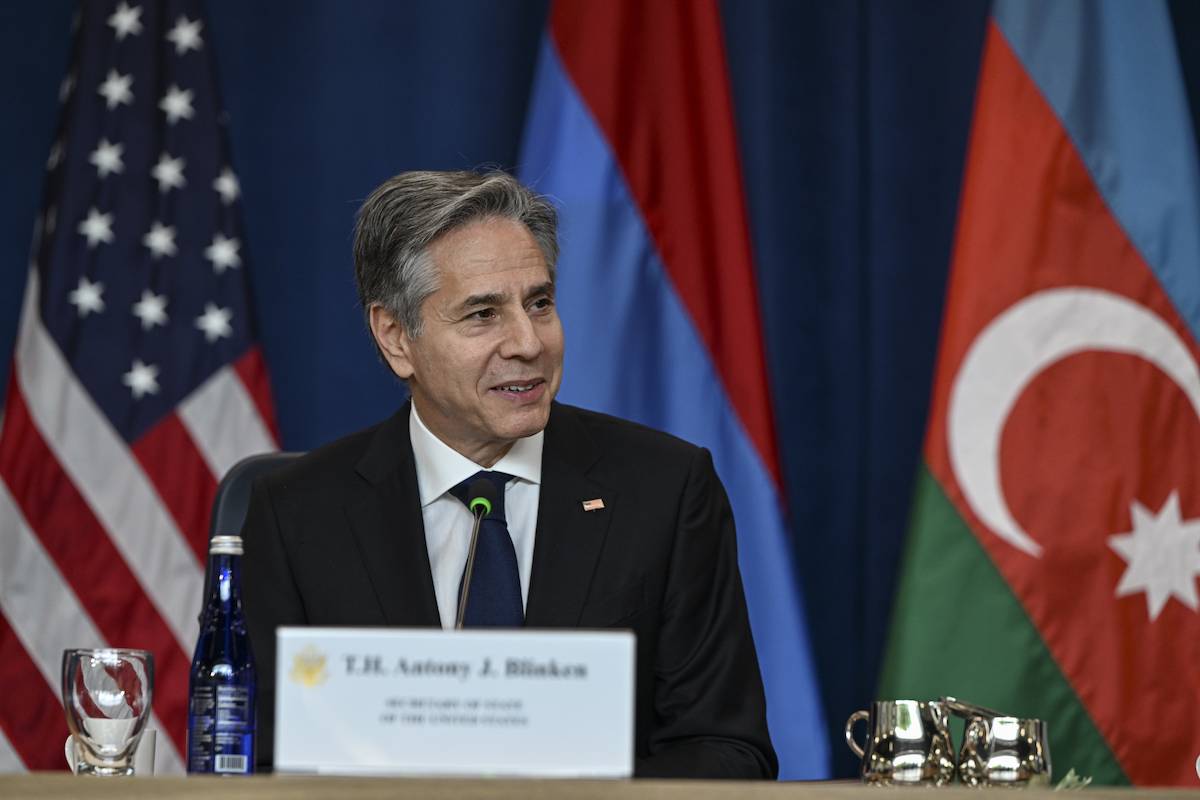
[(51, 785)]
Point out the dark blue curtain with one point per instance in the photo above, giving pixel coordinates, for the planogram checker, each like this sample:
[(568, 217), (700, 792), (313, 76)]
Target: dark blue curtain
[(853, 118)]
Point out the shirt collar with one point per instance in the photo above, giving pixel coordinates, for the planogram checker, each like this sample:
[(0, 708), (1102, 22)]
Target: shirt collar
[(440, 467)]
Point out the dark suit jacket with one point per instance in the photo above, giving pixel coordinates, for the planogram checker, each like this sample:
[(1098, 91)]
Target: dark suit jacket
[(337, 539)]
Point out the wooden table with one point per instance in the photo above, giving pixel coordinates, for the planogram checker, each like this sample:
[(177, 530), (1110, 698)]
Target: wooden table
[(53, 785)]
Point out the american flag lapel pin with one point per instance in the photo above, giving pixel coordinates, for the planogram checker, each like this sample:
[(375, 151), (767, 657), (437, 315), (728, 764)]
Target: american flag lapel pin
[(593, 505)]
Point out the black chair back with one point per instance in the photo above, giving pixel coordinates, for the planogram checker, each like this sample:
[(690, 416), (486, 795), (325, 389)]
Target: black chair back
[(233, 493), (233, 497)]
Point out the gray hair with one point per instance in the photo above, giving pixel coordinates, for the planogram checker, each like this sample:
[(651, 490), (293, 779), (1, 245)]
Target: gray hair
[(407, 213)]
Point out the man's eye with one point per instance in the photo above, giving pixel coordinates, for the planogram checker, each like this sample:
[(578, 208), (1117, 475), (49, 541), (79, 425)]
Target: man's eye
[(542, 303), (483, 314)]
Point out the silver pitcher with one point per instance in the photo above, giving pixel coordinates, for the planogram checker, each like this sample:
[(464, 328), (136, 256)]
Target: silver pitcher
[(1004, 751), (908, 742)]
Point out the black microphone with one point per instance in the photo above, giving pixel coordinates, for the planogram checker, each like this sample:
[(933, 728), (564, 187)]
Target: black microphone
[(482, 496)]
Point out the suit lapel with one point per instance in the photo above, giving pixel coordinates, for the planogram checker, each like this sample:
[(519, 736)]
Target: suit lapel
[(569, 539), (387, 525)]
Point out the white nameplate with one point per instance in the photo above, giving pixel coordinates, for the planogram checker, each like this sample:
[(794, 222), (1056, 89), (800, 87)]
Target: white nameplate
[(430, 702)]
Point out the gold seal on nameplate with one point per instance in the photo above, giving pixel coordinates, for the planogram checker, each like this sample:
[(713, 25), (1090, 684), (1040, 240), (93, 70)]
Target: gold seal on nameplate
[(308, 667)]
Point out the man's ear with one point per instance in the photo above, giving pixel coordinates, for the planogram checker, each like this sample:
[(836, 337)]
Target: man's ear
[(392, 340)]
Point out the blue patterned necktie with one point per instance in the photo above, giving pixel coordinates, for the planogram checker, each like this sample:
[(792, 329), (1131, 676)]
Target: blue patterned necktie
[(495, 597)]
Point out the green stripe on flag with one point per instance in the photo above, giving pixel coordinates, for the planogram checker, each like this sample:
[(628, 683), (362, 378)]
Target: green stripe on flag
[(958, 629)]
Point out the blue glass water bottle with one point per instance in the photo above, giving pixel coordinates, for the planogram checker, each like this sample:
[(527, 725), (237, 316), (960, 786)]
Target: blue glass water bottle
[(221, 689)]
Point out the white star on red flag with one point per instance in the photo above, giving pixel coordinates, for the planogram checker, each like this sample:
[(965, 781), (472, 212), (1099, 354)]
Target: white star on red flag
[(1162, 554)]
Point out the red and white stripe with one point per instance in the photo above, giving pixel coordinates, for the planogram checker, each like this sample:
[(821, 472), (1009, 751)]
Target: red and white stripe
[(103, 544), (9, 760)]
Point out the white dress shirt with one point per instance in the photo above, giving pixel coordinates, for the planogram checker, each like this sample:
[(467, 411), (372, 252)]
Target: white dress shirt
[(448, 522)]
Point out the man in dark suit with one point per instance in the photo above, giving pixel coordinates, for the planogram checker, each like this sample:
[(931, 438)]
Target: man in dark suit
[(600, 522)]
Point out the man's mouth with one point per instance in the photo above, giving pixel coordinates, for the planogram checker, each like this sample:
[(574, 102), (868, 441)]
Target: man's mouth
[(515, 387), (519, 387)]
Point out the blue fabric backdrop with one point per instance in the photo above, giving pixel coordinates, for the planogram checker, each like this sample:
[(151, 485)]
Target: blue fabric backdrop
[(853, 120)]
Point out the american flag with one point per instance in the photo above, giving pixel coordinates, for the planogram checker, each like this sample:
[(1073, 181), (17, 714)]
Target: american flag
[(136, 381)]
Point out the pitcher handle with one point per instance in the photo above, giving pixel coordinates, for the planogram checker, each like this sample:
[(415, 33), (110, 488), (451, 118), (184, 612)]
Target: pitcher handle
[(854, 746)]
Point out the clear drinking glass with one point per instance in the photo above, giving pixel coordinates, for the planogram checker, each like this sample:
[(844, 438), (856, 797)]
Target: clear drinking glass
[(107, 694)]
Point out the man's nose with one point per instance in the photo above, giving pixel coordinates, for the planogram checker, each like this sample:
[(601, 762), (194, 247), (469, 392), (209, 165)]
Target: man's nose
[(521, 338)]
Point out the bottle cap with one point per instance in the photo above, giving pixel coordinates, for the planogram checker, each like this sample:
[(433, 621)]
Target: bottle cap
[(225, 546)]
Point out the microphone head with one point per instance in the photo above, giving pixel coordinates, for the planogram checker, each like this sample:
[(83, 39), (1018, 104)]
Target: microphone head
[(482, 494)]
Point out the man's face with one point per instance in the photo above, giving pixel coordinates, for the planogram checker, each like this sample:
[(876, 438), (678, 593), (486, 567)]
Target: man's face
[(489, 358)]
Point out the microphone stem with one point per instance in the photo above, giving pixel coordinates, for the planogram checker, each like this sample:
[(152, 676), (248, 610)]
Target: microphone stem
[(465, 592)]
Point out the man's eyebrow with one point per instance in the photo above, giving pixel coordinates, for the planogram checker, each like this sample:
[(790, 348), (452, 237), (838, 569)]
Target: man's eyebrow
[(546, 288), (498, 298), (489, 299)]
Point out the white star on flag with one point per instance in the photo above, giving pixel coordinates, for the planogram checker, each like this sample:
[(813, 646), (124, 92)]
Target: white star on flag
[(107, 158), (177, 103), (227, 186), (160, 240), (1163, 556), (51, 219), (117, 89), (169, 173), (215, 322), (151, 309), (97, 227), (87, 296), (126, 20), (223, 253), (185, 35), (142, 379)]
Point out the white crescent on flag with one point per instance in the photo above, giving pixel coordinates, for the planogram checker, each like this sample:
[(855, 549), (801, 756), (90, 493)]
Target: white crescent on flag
[(1013, 349)]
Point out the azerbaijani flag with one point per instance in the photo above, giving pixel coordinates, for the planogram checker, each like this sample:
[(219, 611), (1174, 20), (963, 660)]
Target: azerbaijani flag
[(1055, 539), (631, 132)]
